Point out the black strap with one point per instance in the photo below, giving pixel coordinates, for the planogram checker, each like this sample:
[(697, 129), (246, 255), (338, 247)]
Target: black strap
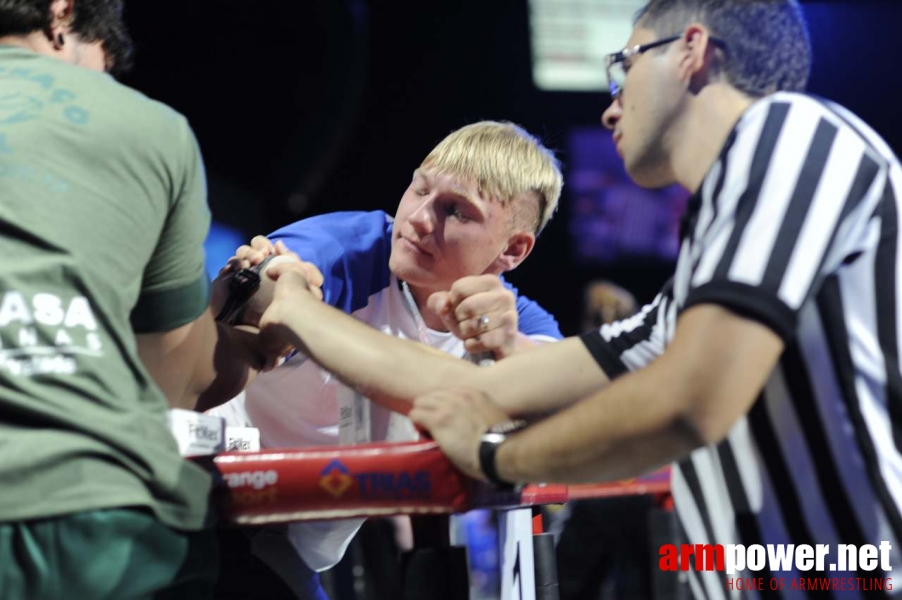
[(242, 285), (488, 448)]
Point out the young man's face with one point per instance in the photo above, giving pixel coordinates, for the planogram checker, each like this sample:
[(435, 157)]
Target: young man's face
[(445, 229), (641, 116)]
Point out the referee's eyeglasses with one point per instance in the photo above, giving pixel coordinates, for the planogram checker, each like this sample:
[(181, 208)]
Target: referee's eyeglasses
[(617, 64)]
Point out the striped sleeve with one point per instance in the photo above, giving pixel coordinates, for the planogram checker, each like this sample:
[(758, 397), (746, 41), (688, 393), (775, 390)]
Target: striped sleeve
[(635, 342), (799, 187)]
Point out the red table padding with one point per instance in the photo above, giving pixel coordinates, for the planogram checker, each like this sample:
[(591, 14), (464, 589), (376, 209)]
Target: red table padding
[(335, 482), (657, 482), (284, 485)]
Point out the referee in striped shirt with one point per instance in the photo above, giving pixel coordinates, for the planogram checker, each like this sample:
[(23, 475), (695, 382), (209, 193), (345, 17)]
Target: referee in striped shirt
[(768, 368)]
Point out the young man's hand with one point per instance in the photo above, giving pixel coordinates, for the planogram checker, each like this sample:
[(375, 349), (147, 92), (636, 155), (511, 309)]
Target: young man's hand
[(288, 287), (480, 311)]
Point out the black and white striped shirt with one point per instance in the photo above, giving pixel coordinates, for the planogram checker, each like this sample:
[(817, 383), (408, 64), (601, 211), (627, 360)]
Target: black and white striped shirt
[(795, 225)]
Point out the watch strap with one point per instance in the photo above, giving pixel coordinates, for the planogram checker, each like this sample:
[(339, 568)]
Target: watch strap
[(488, 449)]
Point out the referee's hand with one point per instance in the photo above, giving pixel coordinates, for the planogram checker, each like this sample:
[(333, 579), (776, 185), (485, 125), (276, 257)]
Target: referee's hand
[(456, 419)]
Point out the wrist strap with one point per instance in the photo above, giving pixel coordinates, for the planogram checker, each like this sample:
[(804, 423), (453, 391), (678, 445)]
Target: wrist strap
[(242, 285)]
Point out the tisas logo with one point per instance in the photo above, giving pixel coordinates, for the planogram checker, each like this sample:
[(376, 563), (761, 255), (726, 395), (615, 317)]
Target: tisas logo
[(336, 479)]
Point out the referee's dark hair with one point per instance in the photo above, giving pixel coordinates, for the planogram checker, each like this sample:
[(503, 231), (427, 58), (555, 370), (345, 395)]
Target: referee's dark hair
[(768, 48), (92, 21)]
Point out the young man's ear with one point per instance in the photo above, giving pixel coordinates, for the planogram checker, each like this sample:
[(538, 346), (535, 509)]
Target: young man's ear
[(519, 245)]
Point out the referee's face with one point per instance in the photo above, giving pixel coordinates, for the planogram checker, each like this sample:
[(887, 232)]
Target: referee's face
[(641, 117)]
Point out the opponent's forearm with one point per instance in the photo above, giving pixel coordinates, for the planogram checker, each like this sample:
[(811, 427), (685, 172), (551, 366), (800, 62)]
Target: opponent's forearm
[(232, 360), (202, 362)]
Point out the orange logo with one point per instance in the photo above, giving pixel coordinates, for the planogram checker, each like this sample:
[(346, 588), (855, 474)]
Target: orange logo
[(335, 479)]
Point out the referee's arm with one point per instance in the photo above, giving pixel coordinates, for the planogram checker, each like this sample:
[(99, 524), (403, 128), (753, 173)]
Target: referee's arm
[(822, 181), (708, 378)]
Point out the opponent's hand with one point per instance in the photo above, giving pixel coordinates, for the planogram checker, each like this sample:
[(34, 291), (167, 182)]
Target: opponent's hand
[(480, 311), (260, 247), (245, 257), (456, 419), (251, 255)]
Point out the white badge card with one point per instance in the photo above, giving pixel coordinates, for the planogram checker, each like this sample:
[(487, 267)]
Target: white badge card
[(242, 439), (354, 419)]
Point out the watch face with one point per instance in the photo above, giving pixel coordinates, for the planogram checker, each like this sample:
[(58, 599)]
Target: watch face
[(494, 437)]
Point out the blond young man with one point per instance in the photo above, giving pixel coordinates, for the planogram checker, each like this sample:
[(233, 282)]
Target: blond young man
[(472, 212)]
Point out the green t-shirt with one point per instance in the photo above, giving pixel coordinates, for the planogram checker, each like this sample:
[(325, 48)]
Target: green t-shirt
[(102, 219)]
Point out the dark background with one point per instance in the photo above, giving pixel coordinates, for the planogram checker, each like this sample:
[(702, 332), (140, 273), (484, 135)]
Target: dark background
[(304, 107)]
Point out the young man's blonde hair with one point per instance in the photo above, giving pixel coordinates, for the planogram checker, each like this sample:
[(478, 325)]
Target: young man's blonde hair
[(508, 164)]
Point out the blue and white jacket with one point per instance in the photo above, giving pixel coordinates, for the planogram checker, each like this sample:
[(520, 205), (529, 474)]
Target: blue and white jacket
[(299, 403)]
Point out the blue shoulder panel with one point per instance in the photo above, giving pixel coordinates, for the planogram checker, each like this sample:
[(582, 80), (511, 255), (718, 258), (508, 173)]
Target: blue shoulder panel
[(350, 248), (533, 319)]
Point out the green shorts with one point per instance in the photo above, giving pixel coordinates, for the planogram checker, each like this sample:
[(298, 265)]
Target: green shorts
[(117, 554)]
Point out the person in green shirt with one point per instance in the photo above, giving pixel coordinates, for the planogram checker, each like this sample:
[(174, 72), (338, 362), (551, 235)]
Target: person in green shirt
[(104, 316)]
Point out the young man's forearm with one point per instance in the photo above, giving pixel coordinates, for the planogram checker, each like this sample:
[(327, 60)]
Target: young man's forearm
[(388, 370), (394, 371)]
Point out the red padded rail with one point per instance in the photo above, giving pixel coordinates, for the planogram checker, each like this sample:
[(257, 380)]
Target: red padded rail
[(285, 485)]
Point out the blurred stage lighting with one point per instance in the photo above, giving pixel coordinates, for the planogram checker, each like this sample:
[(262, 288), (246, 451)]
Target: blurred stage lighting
[(570, 39)]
